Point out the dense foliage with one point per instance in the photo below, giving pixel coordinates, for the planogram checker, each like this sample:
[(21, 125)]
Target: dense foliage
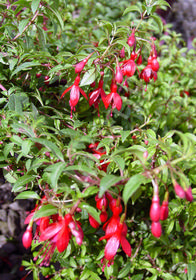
[(98, 127)]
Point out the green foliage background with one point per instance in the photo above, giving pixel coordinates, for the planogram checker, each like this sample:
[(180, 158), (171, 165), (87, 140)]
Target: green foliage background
[(32, 113)]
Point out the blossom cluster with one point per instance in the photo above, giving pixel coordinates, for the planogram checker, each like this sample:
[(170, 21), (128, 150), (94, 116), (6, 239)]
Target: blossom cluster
[(124, 69)]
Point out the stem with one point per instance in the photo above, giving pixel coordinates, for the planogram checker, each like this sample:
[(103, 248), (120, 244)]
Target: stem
[(30, 22)]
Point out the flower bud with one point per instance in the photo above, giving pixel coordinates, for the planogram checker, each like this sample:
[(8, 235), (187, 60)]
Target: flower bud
[(155, 65), (27, 237), (164, 211), (103, 216), (155, 209), (156, 229), (131, 40), (122, 52), (119, 75), (93, 222), (188, 194), (179, 190), (139, 60)]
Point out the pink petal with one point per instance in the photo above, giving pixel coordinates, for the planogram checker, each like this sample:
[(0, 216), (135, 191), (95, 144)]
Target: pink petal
[(65, 91), (112, 225), (93, 96), (74, 96), (50, 232), (117, 101), (62, 239), (83, 93), (112, 247), (107, 100), (125, 245), (28, 218)]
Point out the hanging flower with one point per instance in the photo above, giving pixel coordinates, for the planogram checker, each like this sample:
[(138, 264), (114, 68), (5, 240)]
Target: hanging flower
[(75, 91), (113, 98)]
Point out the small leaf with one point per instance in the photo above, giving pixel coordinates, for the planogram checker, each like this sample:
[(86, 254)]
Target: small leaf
[(132, 8), (22, 181), (88, 78), (45, 211), (56, 170), (91, 210), (28, 195), (34, 5), (132, 186), (125, 270), (51, 146), (106, 182), (158, 21), (25, 66), (191, 271), (124, 135)]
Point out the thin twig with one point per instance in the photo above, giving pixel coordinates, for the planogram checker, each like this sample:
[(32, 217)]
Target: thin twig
[(30, 22)]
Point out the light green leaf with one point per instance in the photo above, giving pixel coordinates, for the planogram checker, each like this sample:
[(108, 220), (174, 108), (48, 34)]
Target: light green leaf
[(35, 5), (45, 211), (106, 182), (25, 66), (158, 21), (191, 271), (22, 181), (132, 186), (28, 195), (132, 8), (56, 170), (91, 210), (88, 78), (125, 270)]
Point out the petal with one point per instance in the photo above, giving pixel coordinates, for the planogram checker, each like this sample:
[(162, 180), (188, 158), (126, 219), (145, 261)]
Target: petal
[(74, 96), (62, 239), (83, 93), (50, 232), (112, 225), (125, 245), (117, 101), (107, 100), (66, 91), (93, 96), (112, 247)]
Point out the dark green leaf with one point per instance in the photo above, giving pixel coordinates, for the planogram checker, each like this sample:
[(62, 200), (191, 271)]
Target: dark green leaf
[(45, 211), (22, 181), (108, 181), (28, 195)]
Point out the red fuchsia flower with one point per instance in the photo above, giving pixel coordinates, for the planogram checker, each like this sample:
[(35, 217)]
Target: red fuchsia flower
[(101, 204), (147, 74), (80, 66), (131, 40), (114, 240), (113, 98), (75, 91), (156, 229), (98, 153), (97, 94), (27, 237), (188, 194), (155, 209), (77, 231), (179, 190), (128, 67)]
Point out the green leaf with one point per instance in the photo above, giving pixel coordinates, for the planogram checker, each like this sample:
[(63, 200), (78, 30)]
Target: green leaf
[(158, 21), (125, 270), (132, 8), (22, 181), (35, 5), (132, 186), (88, 78), (56, 170), (45, 211), (28, 195), (55, 13), (22, 25), (51, 146), (91, 210), (26, 146), (25, 66), (81, 168), (191, 271), (124, 135), (106, 182)]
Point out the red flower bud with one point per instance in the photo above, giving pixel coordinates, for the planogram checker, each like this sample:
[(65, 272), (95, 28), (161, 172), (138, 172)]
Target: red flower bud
[(156, 229), (103, 216), (155, 209), (119, 75), (80, 66), (122, 52), (188, 194), (139, 60), (93, 222), (131, 40), (164, 211), (155, 65), (27, 237), (179, 190)]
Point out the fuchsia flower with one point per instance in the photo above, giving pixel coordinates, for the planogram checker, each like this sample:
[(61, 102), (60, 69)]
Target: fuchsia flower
[(96, 94), (131, 40), (113, 98), (128, 67), (188, 194), (179, 190), (27, 237), (75, 91), (164, 211), (147, 73), (155, 209)]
